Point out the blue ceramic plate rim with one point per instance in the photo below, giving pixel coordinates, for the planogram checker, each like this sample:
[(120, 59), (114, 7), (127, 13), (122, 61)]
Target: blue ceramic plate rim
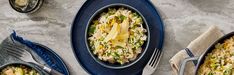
[(98, 12), (55, 54)]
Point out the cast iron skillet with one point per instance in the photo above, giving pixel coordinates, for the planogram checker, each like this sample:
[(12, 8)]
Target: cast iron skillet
[(144, 46), (201, 59), (24, 64)]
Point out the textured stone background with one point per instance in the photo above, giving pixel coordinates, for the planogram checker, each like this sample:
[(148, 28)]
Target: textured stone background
[(184, 20)]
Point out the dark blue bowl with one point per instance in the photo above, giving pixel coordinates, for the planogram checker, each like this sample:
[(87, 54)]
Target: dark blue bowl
[(117, 65)]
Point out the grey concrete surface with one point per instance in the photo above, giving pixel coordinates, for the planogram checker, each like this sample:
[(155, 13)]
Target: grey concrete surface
[(184, 20)]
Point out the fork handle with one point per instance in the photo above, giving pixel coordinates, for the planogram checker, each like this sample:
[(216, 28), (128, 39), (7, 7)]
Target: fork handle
[(50, 70), (54, 72), (183, 64)]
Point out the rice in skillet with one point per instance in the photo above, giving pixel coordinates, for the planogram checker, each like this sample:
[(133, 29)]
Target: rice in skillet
[(220, 61)]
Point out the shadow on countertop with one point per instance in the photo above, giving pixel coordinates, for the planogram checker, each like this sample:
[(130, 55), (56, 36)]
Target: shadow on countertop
[(210, 6)]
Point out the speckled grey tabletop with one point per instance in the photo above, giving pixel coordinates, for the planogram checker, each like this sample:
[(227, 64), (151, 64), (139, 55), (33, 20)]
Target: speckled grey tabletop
[(184, 20)]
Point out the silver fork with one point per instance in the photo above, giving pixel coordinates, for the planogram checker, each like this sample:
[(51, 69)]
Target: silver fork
[(25, 55), (152, 63)]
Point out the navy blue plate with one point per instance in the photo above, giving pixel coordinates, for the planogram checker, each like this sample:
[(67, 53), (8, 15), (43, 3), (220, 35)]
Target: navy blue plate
[(78, 36), (48, 55)]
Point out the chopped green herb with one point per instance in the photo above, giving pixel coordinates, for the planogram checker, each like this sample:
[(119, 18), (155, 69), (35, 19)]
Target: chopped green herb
[(210, 73), (135, 14), (122, 17), (91, 29), (118, 47)]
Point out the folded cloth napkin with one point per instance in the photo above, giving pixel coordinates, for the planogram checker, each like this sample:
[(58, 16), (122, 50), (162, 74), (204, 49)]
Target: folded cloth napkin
[(195, 48)]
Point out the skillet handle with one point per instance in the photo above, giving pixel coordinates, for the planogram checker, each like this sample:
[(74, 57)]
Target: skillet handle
[(182, 66)]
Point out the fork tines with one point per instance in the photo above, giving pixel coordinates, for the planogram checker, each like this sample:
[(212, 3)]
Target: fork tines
[(13, 50), (154, 58)]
